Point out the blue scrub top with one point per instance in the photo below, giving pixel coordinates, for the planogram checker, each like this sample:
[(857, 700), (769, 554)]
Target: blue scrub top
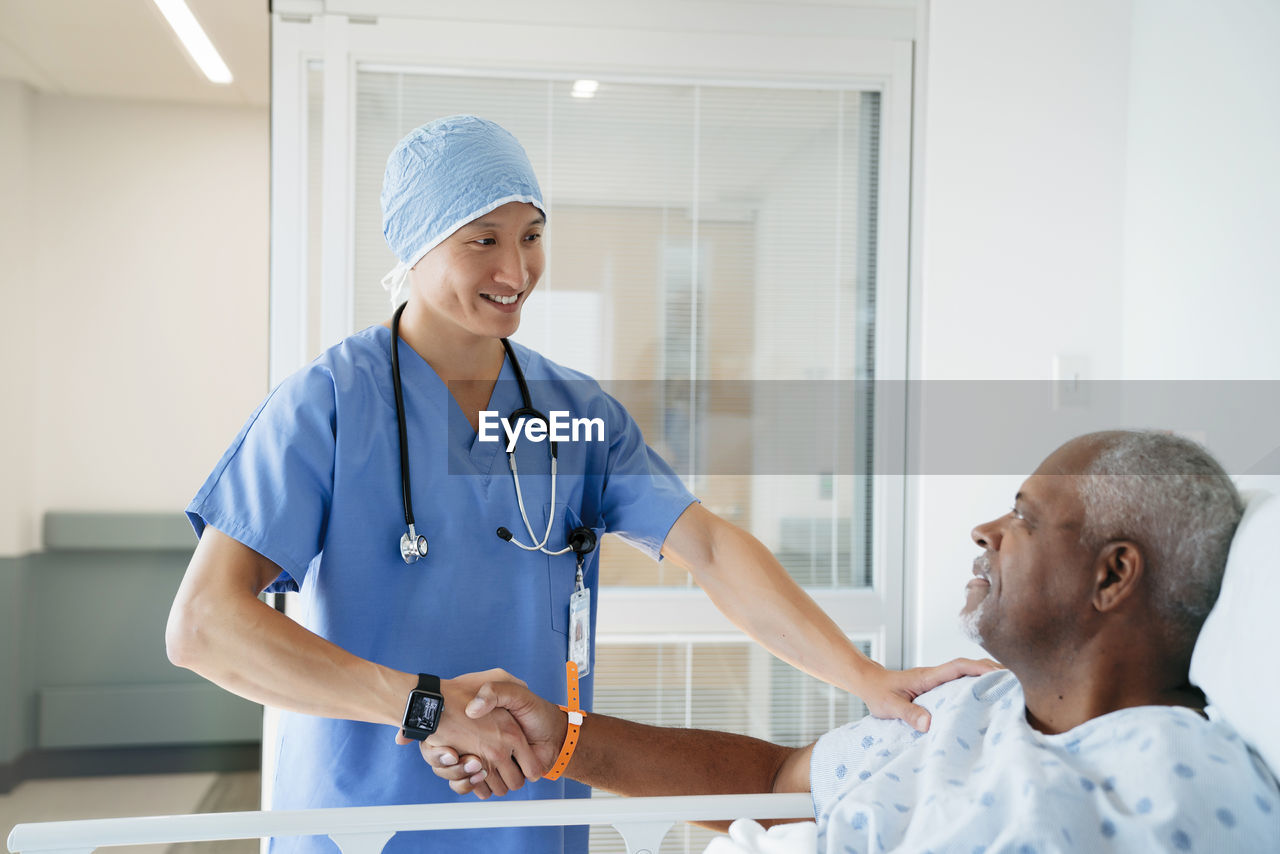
[(312, 482)]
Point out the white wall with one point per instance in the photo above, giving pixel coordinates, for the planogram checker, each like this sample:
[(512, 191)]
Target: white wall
[(1202, 294), (136, 314), (1024, 143), (1023, 190), (1100, 180), (1202, 259)]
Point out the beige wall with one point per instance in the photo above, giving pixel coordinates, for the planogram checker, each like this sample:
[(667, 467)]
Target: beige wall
[(134, 298), (17, 332)]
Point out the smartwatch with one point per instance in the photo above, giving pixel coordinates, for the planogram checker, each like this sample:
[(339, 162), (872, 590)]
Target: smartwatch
[(424, 709)]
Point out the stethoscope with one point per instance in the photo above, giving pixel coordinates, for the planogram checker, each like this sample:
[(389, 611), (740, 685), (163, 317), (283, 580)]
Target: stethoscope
[(582, 540)]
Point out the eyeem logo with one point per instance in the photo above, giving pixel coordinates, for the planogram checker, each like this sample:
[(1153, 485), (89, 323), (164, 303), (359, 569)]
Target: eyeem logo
[(561, 428)]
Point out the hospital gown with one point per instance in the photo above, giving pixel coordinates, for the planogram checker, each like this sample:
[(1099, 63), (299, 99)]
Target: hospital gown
[(1152, 778)]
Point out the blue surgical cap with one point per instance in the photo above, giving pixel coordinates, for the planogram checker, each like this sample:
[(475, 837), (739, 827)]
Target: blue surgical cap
[(442, 176)]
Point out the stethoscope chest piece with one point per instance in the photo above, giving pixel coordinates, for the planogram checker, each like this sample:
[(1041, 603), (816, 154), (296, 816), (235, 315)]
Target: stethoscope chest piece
[(412, 545)]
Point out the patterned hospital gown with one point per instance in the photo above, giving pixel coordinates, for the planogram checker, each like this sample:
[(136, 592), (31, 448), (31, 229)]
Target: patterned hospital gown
[(1153, 778)]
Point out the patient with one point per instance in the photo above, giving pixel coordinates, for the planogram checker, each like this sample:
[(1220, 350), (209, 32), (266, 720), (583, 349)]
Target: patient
[(1092, 590)]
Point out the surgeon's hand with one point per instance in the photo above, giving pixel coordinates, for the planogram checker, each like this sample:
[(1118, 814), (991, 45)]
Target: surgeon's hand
[(493, 741), (890, 693), (544, 726)]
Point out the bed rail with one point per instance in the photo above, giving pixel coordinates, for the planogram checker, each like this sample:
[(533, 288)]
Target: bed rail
[(642, 822)]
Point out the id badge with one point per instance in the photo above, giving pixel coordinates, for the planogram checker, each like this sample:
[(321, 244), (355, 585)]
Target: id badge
[(580, 630)]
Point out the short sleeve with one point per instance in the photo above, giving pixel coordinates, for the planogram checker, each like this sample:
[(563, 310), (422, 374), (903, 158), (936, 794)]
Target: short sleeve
[(272, 488), (642, 496), (852, 753)]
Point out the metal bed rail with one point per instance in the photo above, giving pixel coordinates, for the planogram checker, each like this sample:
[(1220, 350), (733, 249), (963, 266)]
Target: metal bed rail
[(642, 822)]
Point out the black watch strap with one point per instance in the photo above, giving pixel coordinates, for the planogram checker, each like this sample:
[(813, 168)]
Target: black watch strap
[(427, 682)]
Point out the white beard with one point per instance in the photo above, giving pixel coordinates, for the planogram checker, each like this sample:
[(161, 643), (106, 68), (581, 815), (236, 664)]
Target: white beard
[(969, 623)]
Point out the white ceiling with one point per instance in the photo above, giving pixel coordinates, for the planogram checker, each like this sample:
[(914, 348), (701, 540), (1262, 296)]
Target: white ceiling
[(125, 49)]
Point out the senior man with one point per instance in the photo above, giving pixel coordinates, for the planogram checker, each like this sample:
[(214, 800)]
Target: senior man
[(1091, 590)]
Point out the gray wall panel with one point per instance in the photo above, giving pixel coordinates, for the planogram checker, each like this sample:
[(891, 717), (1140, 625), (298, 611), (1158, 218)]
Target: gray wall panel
[(12, 671), (120, 715), (99, 532), (84, 620), (99, 617)]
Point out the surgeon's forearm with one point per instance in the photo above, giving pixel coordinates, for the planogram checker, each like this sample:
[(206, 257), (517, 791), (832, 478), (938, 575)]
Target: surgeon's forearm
[(748, 585), (221, 630), (254, 651)]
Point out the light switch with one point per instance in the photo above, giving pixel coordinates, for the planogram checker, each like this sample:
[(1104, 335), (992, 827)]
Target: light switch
[(1070, 386)]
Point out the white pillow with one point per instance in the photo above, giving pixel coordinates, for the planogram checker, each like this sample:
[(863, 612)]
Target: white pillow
[(1235, 659)]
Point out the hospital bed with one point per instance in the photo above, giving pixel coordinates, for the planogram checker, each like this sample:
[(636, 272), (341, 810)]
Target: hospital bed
[(1233, 663)]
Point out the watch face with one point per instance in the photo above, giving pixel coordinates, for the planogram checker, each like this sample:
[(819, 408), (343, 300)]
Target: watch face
[(423, 713)]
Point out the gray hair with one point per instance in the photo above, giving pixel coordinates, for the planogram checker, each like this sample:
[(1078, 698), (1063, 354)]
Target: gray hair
[(1167, 494)]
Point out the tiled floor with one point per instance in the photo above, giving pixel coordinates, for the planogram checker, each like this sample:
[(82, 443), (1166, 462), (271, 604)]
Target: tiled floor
[(112, 797)]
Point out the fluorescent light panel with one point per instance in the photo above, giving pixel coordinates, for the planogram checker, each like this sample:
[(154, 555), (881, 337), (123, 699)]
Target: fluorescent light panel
[(193, 38)]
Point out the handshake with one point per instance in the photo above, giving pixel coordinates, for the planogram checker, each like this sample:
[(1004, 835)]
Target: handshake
[(494, 734)]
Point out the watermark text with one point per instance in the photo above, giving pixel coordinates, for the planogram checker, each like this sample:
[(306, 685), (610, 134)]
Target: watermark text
[(560, 427)]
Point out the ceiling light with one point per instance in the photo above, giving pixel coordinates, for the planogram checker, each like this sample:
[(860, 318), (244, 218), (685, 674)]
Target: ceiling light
[(194, 40), (585, 88)]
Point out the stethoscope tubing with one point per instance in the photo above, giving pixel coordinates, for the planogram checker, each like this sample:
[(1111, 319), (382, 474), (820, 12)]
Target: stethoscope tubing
[(540, 547), (404, 433), (414, 546)]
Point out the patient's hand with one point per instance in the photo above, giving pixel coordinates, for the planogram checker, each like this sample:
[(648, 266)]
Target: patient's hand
[(889, 693), (544, 726)]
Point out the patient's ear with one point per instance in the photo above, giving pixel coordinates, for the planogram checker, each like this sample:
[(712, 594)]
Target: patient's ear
[(1117, 573)]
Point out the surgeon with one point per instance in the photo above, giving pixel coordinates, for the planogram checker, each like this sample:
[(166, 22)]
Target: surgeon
[(426, 556)]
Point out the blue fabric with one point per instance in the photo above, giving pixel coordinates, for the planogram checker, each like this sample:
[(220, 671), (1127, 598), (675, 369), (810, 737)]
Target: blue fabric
[(313, 483), (1150, 778), (447, 173)]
